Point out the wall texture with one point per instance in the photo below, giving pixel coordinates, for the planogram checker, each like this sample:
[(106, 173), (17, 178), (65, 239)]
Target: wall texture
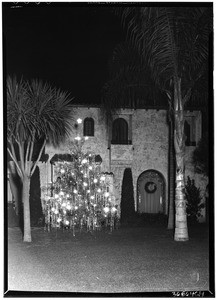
[(149, 133)]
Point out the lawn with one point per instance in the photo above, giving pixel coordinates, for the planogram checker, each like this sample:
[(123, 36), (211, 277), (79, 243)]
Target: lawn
[(128, 260)]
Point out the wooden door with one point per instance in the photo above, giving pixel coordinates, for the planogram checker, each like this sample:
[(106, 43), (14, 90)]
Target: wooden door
[(150, 193)]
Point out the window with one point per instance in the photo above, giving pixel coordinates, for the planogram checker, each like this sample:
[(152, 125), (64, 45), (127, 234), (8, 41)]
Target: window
[(88, 127), (119, 131), (189, 129)]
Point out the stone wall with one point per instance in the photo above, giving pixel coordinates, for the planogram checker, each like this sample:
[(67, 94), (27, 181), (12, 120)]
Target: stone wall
[(149, 149), (98, 144), (149, 133)]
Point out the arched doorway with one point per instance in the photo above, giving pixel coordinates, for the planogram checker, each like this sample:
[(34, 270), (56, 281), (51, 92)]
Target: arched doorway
[(151, 192)]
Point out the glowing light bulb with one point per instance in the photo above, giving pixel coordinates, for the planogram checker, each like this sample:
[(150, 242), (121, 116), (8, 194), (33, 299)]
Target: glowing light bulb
[(78, 138), (84, 161), (67, 222), (86, 138), (91, 197), (53, 209), (79, 120), (90, 168), (106, 209), (61, 193), (113, 209), (102, 178), (76, 207), (62, 171), (59, 220), (95, 180), (106, 194), (75, 191), (56, 196), (99, 190), (56, 212), (85, 184), (88, 191)]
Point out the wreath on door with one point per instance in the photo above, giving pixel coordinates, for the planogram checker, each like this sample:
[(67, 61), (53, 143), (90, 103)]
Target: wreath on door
[(150, 187)]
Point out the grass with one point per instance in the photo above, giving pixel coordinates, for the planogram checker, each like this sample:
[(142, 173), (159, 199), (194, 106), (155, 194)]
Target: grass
[(128, 260)]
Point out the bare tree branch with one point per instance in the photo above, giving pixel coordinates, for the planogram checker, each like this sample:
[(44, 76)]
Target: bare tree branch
[(27, 153), (31, 152), (16, 163), (39, 156)]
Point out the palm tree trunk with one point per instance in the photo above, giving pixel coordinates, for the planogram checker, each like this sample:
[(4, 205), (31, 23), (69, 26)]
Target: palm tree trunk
[(26, 209), (181, 228), (171, 216)]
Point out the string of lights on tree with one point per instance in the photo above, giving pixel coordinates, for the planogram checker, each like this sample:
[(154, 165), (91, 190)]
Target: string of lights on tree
[(80, 198)]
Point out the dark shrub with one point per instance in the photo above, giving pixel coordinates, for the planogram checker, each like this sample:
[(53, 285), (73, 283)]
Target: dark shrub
[(127, 199), (35, 199), (194, 198)]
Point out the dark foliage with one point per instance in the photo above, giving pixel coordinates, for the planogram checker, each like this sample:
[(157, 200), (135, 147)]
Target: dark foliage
[(35, 199), (194, 198), (127, 198), (201, 156)]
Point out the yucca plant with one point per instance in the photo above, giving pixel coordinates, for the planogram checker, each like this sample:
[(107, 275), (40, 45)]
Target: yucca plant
[(35, 111)]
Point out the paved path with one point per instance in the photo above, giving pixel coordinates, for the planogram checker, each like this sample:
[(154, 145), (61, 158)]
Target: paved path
[(128, 260)]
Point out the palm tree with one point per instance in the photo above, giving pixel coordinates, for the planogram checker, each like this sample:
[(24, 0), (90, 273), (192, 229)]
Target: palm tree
[(174, 45), (34, 111)]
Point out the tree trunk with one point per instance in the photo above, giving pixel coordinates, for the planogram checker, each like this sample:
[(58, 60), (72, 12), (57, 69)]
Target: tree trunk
[(26, 209), (15, 186), (171, 217), (181, 228)]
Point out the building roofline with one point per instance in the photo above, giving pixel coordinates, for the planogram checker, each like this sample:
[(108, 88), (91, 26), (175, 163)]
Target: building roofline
[(156, 107)]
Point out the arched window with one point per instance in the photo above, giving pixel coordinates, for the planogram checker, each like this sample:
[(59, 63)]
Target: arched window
[(119, 131), (88, 127)]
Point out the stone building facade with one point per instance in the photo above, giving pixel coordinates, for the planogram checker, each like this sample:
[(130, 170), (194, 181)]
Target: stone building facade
[(136, 139)]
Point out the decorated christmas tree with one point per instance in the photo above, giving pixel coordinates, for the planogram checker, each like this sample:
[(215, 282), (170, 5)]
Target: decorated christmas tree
[(80, 196)]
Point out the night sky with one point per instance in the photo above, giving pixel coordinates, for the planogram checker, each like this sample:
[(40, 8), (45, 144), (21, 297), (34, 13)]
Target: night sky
[(65, 44)]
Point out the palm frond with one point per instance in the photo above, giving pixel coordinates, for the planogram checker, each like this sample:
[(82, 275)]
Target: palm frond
[(37, 110), (53, 111), (17, 103), (172, 40), (130, 84)]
